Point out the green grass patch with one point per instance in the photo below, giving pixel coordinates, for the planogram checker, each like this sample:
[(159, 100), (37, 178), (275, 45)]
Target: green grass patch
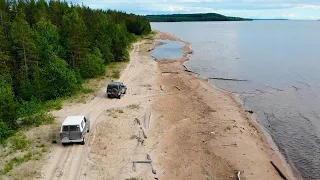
[(27, 108), (19, 141), (5, 132), (36, 119), (16, 161), (87, 90), (133, 178), (133, 106), (119, 111), (116, 74), (53, 104)]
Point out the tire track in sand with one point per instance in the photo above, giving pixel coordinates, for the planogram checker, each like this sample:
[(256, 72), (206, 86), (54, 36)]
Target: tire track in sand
[(66, 162)]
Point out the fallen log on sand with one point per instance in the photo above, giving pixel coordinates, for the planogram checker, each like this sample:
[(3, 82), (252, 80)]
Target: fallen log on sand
[(191, 72), (143, 133), (227, 79), (278, 170)]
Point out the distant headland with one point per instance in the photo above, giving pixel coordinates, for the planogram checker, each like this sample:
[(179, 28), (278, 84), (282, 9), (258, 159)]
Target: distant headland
[(193, 17)]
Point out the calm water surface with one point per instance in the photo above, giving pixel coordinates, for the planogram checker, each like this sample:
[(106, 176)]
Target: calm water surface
[(281, 61), (168, 50)]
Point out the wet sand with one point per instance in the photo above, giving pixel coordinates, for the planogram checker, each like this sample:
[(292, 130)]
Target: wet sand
[(204, 132)]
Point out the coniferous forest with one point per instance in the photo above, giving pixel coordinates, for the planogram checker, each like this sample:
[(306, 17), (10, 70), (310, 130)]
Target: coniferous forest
[(193, 17), (47, 49)]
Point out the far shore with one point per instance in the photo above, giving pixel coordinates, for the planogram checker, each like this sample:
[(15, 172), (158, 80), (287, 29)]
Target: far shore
[(236, 142)]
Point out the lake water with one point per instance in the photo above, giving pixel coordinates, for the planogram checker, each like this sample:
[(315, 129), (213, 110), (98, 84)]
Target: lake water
[(281, 62), (168, 50)]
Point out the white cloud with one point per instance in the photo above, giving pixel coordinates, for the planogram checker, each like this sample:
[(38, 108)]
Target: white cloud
[(244, 8)]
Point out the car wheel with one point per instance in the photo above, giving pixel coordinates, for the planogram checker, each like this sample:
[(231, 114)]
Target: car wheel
[(125, 91), (83, 141), (88, 130), (119, 97), (108, 96), (64, 144)]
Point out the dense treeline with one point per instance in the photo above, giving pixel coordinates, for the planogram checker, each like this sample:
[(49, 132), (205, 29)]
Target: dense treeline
[(48, 47), (192, 17)]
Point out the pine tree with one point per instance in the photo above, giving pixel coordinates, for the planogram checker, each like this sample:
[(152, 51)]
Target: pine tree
[(7, 103), (4, 54), (57, 79), (75, 38), (25, 62)]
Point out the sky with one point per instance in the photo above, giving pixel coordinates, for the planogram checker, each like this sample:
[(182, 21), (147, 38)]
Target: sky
[(288, 9)]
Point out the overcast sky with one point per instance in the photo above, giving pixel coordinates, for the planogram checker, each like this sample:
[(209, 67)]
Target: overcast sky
[(292, 9)]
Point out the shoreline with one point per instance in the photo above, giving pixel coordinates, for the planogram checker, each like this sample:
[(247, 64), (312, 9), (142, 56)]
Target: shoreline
[(272, 149)]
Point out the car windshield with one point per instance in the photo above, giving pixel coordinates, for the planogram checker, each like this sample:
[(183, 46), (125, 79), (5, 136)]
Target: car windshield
[(110, 86), (74, 128), (65, 128)]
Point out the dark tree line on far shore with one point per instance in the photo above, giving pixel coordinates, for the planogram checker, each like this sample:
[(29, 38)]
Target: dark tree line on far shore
[(192, 17), (47, 48)]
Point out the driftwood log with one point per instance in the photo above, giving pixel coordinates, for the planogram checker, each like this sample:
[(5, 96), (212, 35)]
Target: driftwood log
[(227, 79), (177, 88), (137, 121), (144, 161), (143, 133), (278, 170), (191, 72), (168, 72), (153, 170)]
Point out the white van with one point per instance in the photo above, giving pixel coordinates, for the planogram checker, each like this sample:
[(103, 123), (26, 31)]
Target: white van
[(73, 129)]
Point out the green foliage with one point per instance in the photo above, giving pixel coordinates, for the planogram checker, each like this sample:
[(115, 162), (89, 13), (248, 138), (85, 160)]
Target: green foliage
[(25, 63), (8, 105), (47, 39), (133, 106), (93, 66), (87, 90), (16, 161), (5, 131), (19, 141), (116, 74), (36, 119), (75, 38), (193, 17), (64, 82), (27, 108), (138, 25), (53, 104), (47, 49), (133, 178)]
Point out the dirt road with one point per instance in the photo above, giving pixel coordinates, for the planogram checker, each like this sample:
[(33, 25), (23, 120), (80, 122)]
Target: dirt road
[(78, 161)]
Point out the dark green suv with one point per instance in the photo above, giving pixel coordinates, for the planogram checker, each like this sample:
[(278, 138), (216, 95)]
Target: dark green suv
[(116, 89)]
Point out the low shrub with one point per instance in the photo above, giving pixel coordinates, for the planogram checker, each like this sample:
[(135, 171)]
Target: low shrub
[(87, 90), (16, 161), (36, 119), (116, 74), (133, 106), (5, 131), (53, 105), (19, 141)]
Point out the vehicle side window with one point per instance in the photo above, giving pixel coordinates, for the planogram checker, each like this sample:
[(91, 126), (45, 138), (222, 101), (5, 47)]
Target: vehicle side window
[(65, 128), (74, 128), (82, 124)]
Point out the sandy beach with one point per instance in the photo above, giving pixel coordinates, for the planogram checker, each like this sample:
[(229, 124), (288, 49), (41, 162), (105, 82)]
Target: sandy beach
[(192, 130), (204, 131)]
